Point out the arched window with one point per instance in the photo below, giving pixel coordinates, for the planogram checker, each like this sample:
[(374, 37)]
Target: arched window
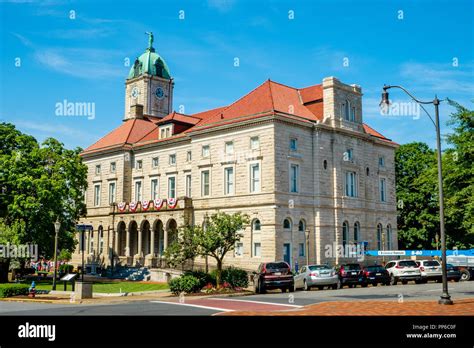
[(353, 114), (356, 231), (347, 108), (301, 226), (287, 224), (389, 237), (256, 226), (367, 171), (325, 164), (379, 236), (345, 233), (101, 239)]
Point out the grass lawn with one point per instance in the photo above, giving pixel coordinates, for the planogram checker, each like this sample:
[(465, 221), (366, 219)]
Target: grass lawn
[(108, 286)]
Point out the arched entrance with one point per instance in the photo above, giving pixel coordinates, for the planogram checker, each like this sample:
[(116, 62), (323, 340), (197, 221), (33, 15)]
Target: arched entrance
[(159, 237), (172, 230), (121, 238), (145, 230), (133, 230)]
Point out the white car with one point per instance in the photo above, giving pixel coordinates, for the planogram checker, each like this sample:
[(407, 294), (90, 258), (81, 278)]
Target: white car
[(430, 270), (403, 270), (316, 275)]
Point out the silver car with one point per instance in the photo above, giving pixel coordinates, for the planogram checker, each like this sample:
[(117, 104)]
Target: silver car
[(316, 275)]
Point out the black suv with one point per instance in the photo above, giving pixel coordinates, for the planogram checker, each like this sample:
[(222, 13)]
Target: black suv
[(273, 275), (351, 274)]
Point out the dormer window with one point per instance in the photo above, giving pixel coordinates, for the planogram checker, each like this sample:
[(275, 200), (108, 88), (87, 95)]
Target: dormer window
[(166, 131)]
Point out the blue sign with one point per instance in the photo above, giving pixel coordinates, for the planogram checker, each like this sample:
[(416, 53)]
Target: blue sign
[(429, 253)]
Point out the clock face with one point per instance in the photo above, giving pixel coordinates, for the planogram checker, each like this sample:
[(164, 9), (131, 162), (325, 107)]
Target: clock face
[(135, 92), (159, 93)]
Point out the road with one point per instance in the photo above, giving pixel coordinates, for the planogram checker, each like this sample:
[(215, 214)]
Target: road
[(268, 302)]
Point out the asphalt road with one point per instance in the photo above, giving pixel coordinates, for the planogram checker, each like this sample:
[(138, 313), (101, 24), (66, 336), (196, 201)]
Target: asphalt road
[(274, 300)]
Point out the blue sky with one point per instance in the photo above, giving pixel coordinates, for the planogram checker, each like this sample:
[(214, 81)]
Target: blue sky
[(83, 59)]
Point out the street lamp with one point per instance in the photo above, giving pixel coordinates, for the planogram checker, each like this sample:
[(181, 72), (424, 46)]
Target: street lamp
[(306, 232), (57, 226), (445, 298)]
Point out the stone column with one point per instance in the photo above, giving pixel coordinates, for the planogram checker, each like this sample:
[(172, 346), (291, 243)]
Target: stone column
[(165, 239), (127, 243), (116, 246), (140, 237), (152, 242)]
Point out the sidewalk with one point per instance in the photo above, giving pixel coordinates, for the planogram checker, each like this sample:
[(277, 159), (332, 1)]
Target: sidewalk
[(375, 308)]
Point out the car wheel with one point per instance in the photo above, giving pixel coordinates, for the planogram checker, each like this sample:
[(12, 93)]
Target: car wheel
[(261, 287), (465, 275), (393, 280)]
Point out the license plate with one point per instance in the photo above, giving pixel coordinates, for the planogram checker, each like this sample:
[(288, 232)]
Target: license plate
[(324, 274), (277, 273), (378, 273), (354, 273)]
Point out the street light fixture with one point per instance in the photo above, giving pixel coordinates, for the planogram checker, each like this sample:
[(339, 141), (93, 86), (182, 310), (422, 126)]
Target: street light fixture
[(57, 226), (306, 232), (445, 299)]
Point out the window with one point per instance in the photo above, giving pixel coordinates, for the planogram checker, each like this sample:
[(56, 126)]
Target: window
[(379, 236), (96, 195), (293, 144), (239, 249), (162, 133), (347, 107), (101, 239), (113, 167), (301, 226), (351, 186), (189, 156), (138, 191), (383, 194), (353, 114), (171, 187), (345, 233), (172, 160), (325, 164), (154, 189), (381, 161), (367, 171), (256, 226), (254, 143), (389, 237), (111, 192), (205, 189), (205, 151), (229, 148), (356, 232), (229, 181), (287, 224), (168, 132), (97, 169), (257, 252), (301, 249), (155, 161), (91, 242), (294, 177), (188, 185), (138, 164), (255, 177), (349, 155)]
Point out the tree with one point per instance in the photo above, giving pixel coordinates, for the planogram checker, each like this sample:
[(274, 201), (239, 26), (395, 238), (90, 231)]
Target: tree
[(184, 248), (39, 184), (220, 236)]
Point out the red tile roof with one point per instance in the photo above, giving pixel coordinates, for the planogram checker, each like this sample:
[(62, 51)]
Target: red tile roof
[(269, 98)]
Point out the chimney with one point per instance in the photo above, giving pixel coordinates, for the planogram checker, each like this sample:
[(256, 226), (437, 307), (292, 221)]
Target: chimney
[(136, 111)]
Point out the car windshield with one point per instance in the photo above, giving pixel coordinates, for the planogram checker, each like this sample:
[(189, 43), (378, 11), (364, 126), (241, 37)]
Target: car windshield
[(276, 265), (407, 264), (431, 263), (375, 268), (318, 267), (352, 266)]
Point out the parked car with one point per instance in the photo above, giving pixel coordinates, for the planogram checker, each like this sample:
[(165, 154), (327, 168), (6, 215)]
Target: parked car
[(351, 274), (316, 275), (453, 272), (430, 270), (273, 275), (465, 265), (403, 270), (375, 274)]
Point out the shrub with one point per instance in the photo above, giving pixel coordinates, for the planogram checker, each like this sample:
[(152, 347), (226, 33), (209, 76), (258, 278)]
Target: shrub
[(65, 268), (236, 277), (8, 290), (204, 278), (186, 283)]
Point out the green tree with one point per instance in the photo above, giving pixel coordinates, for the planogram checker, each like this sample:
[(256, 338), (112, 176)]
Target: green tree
[(183, 249), (39, 184)]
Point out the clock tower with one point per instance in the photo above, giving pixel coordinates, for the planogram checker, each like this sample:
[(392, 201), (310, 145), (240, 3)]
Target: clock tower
[(149, 84)]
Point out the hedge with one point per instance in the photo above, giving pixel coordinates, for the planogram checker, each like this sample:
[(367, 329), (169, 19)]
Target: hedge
[(8, 290), (185, 283), (236, 277), (203, 277)]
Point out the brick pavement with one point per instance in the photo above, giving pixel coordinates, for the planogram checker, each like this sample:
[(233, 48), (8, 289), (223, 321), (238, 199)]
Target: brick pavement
[(376, 308)]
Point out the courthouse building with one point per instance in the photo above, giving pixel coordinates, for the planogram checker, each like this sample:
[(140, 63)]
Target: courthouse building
[(300, 162)]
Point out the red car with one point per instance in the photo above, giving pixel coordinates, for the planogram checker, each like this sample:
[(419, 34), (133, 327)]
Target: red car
[(273, 275)]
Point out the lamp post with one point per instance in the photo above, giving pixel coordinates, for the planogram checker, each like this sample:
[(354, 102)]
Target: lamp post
[(445, 299), (306, 232), (57, 226)]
